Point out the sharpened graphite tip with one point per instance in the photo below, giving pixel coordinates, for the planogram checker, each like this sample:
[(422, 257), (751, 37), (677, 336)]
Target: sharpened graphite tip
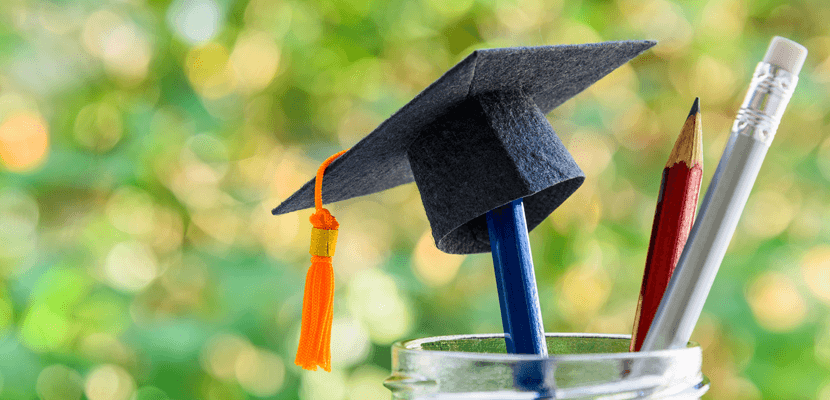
[(695, 107)]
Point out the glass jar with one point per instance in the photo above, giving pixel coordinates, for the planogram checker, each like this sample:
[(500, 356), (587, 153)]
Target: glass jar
[(579, 366)]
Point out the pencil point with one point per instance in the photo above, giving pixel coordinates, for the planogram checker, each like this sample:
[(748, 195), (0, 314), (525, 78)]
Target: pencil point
[(689, 145), (695, 107)]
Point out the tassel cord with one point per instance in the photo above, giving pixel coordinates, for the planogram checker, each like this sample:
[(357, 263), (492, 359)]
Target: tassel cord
[(314, 349)]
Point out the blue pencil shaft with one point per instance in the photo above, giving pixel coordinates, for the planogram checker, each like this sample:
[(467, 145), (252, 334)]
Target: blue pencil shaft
[(521, 315)]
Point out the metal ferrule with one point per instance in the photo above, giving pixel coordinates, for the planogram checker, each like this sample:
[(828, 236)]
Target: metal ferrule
[(764, 104), (323, 242)]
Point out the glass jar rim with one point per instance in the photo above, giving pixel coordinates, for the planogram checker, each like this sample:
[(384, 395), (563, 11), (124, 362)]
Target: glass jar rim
[(415, 345)]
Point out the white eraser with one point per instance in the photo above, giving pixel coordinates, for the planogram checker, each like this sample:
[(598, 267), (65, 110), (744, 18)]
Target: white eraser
[(786, 54)]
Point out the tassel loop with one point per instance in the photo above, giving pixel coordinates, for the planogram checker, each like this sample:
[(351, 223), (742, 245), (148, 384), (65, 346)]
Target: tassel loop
[(322, 219)]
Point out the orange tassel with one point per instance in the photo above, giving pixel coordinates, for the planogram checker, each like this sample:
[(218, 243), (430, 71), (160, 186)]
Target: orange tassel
[(318, 301)]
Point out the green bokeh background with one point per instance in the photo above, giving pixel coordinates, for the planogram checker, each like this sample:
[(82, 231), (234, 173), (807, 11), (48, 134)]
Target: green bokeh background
[(143, 143)]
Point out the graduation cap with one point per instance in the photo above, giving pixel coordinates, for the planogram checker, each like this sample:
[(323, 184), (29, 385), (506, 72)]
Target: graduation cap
[(474, 140)]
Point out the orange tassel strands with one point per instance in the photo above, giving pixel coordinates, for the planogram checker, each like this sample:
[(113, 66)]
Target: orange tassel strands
[(318, 301)]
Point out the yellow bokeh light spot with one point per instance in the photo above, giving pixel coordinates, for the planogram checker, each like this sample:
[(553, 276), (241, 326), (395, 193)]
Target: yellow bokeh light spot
[(723, 18), (109, 382), (291, 171), (354, 124), (24, 141), (105, 347), (168, 230), (284, 238), (707, 331), (776, 303), (350, 343), (768, 214), (807, 222), (584, 290), (714, 78), (612, 322), (815, 269), (374, 298), (131, 266), (122, 45), (256, 59), (221, 353), (366, 383), (573, 32), (525, 16), (624, 201), (221, 224), (209, 71), (617, 89), (323, 386), (660, 20), (130, 210), (356, 251), (715, 143), (96, 29), (259, 372), (433, 266), (735, 387), (593, 151), (582, 210)]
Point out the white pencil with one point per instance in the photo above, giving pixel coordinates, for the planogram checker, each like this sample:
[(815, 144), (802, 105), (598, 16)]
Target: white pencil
[(772, 86)]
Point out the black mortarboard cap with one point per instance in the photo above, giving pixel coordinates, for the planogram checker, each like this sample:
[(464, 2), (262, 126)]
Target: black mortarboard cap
[(476, 139)]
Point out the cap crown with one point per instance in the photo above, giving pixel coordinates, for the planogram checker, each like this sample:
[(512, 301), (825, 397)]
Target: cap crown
[(514, 154)]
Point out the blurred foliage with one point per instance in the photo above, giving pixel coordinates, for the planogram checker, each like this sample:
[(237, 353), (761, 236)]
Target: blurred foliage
[(143, 143)]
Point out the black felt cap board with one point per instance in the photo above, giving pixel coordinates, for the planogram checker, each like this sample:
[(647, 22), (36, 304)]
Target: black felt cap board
[(476, 139)]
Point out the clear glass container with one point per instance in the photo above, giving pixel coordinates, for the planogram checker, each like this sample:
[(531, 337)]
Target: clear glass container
[(579, 366)]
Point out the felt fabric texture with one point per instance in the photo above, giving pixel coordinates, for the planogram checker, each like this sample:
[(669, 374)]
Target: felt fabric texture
[(513, 154), (476, 139)]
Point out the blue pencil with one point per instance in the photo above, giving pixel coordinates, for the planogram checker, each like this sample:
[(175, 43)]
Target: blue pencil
[(521, 315)]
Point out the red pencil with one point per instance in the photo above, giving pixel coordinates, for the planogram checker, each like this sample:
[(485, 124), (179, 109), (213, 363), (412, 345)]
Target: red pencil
[(673, 220)]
